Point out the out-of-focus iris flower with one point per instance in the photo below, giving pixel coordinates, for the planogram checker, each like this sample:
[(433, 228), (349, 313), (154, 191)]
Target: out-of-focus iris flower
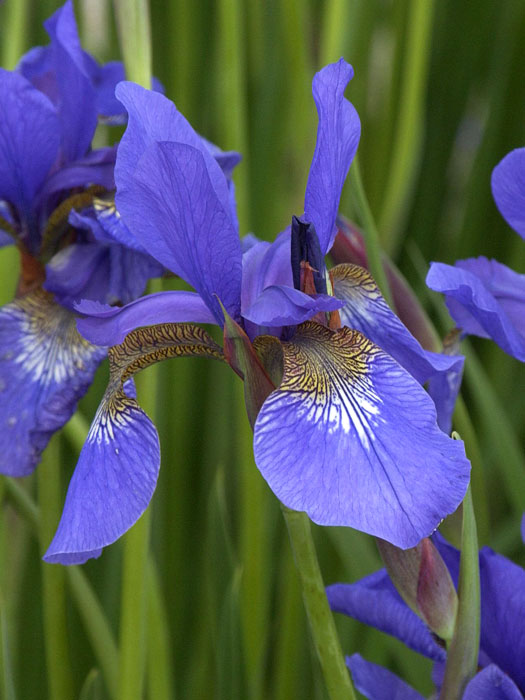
[(375, 601), (49, 176), (345, 430), (485, 297)]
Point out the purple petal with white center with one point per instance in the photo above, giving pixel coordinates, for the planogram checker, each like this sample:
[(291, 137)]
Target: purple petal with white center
[(173, 210), (351, 438), (337, 140), (508, 189), (366, 310), (280, 306), (76, 97), (375, 602), (119, 463), (112, 484), (378, 683), (45, 367), (109, 325), (153, 118), (477, 309), (491, 684), (29, 140)]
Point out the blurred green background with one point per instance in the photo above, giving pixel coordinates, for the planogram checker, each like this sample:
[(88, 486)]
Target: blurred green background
[(440, 90)]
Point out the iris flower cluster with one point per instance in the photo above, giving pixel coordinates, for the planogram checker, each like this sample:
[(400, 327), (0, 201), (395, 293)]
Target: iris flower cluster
[(343, 428), (56, 206), (375, 601), (485, 297)]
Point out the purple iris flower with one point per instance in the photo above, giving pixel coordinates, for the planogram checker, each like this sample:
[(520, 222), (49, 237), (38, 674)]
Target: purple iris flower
[(49, 109), (485, 297), (375, 601), (345, 430)]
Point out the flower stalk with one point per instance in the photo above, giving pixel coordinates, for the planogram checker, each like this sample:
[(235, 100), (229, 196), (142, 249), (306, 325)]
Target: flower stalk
[(322, 625)]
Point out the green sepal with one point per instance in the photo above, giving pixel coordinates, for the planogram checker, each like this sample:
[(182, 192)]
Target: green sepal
[(242, 358)]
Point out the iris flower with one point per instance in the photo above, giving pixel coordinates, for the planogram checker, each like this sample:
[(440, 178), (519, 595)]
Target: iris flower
[(375, 601), (345, 430), (485, 297), (56, 206)]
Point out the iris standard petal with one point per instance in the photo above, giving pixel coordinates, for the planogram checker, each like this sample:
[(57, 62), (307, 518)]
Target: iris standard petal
[(118, 466), (29, 140), (96, 168), (491, 684), (374, 601), (378, 683), (109, 325), (508, 189), (351, 438), (474, 308), (45, 367), (285, 306), (337, 140), (76, 103), (153, 118), (173, 210)]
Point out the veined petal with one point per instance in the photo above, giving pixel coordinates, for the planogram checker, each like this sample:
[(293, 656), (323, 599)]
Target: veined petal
[(45, 367), (152, 119), (109, 325), (492, 684), (337, 139), (366, 310), (118, 466), (502, 603), (172, 208), (285, 306), (76, 96), (351, 438), (378, 683), (374, 601), (29, 140), (476, 307), (508, 189)]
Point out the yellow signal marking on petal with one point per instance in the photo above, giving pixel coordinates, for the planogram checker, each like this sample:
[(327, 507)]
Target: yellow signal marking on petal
[(329, 373), (51, 347), (140, 349), (351, 276)]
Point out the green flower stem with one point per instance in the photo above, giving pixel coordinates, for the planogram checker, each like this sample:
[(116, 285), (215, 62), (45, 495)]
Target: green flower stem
[(56, 642), (15, 32), (134, 32), (371, 236), (409, 123), (462, 653), (322, 625), (88, 606), (7, 688), (160, 684)]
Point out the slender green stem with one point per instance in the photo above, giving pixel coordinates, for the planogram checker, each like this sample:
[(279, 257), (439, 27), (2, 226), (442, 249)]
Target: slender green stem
[(134, 31), (371, 236), (462, 654), (160, 684), (97, 627), (7, 687), (90, 610), (56, 642), (409, 123), (322, 625), (15, 33), (135, 41)]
